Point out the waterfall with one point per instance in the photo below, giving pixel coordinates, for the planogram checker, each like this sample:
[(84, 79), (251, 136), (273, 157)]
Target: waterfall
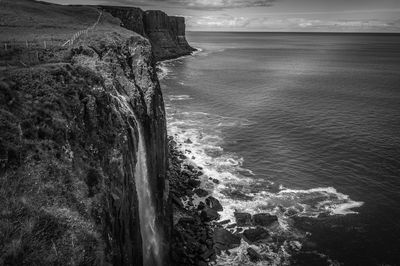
[(147, 213), (151, 241)]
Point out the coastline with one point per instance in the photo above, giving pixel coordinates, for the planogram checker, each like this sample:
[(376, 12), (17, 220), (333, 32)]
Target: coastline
[(243, 232)]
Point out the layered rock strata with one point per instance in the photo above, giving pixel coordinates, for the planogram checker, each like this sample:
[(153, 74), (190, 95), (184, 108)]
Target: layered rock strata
[(166, 33)]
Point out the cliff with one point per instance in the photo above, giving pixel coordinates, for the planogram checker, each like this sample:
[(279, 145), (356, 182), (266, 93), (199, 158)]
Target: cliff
[(83, 134), (166, 33)]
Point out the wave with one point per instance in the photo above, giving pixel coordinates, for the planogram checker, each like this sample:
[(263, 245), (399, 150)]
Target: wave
[(179, 97), (200, 137)]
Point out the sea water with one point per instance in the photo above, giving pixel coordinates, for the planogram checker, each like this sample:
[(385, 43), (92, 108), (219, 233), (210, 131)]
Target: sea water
[(302, 126)]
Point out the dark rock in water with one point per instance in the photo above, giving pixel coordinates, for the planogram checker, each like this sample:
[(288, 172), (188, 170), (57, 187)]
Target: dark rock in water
[(176, 200), (187, 173), (264, 219), (188, 141), (216, 181), (209, 215), (224, 222), (201, 206), (223, 239), (253, 235), (213, 203), (231, 226), (190, 167), (253, 255), (200, 192), (239, 230), (242, 218), (194, 183)]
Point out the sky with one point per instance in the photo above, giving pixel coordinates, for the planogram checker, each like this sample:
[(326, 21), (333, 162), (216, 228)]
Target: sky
[(274, 15)]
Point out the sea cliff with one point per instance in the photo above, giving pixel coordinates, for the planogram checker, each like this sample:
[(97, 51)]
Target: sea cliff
[(166, 33), (81, 110)]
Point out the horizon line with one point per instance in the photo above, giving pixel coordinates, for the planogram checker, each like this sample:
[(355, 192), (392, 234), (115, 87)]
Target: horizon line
[(319, 32)]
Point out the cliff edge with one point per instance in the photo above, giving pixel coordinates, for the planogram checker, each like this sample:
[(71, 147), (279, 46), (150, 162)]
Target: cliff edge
[(82, 121), (166, 33)]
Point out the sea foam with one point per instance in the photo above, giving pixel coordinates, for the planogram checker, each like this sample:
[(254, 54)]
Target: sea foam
[(200, 137)]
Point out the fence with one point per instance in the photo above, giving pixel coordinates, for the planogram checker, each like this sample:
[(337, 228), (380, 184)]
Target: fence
[(86, 31), (28, 52)]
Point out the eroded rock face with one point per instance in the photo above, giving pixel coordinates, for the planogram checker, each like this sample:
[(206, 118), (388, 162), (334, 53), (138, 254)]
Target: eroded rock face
[(131, 18), (166, 33), (69, 159)]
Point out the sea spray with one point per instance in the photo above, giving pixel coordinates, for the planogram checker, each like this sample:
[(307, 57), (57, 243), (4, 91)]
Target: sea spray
[(151, 240)]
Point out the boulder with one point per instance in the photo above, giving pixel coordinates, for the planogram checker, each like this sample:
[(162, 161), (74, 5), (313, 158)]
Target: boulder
[(264, 219), (256, 234), (242, 218), (208, 215), (213, 203), (201, 192), (194, 183), (253, 255), (176, 200), (224, 240)]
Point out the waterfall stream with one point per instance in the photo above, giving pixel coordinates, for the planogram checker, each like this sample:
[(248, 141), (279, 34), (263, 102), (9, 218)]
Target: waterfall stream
[(147, 213)]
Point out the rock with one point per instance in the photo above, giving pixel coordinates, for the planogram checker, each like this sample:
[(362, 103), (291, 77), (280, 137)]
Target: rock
[(207, 254), (201, 206), (253, 255), (185, 220), (194, 183), (200, 192), (213, 203), (242, 218), (254, 235), (264, 219), (216, 181), (224, 222), (188, 141), (176, 200), (223, 239), (189, 167), (209, 215), (166, 33), (231, 226)]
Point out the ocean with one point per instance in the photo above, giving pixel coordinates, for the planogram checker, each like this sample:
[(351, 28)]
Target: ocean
[(304, 126)]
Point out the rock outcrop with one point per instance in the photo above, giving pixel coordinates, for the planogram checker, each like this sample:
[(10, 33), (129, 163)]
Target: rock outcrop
[(166, 33)]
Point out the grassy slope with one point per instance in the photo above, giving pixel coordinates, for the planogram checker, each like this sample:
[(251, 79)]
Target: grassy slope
[(28, 20)]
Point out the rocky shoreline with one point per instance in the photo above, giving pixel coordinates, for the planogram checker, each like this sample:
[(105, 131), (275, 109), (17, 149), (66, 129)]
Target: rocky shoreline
[(198, 235)]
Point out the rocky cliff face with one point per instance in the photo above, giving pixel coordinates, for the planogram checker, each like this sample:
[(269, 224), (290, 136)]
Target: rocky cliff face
[(166, 33), (69, 149)]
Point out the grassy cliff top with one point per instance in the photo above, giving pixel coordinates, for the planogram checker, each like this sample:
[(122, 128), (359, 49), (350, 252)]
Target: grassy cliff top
[(28, 20)]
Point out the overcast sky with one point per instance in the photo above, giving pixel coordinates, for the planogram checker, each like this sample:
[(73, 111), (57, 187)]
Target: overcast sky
[(274, 15)]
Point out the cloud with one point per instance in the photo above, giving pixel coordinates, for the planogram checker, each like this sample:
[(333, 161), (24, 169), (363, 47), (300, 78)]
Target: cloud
[(227, 22), (198, 4), (218, 21)]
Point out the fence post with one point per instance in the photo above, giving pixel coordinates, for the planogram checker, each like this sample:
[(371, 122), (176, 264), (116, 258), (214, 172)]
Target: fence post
[(44, 44), (5, 47), (27, 45)]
